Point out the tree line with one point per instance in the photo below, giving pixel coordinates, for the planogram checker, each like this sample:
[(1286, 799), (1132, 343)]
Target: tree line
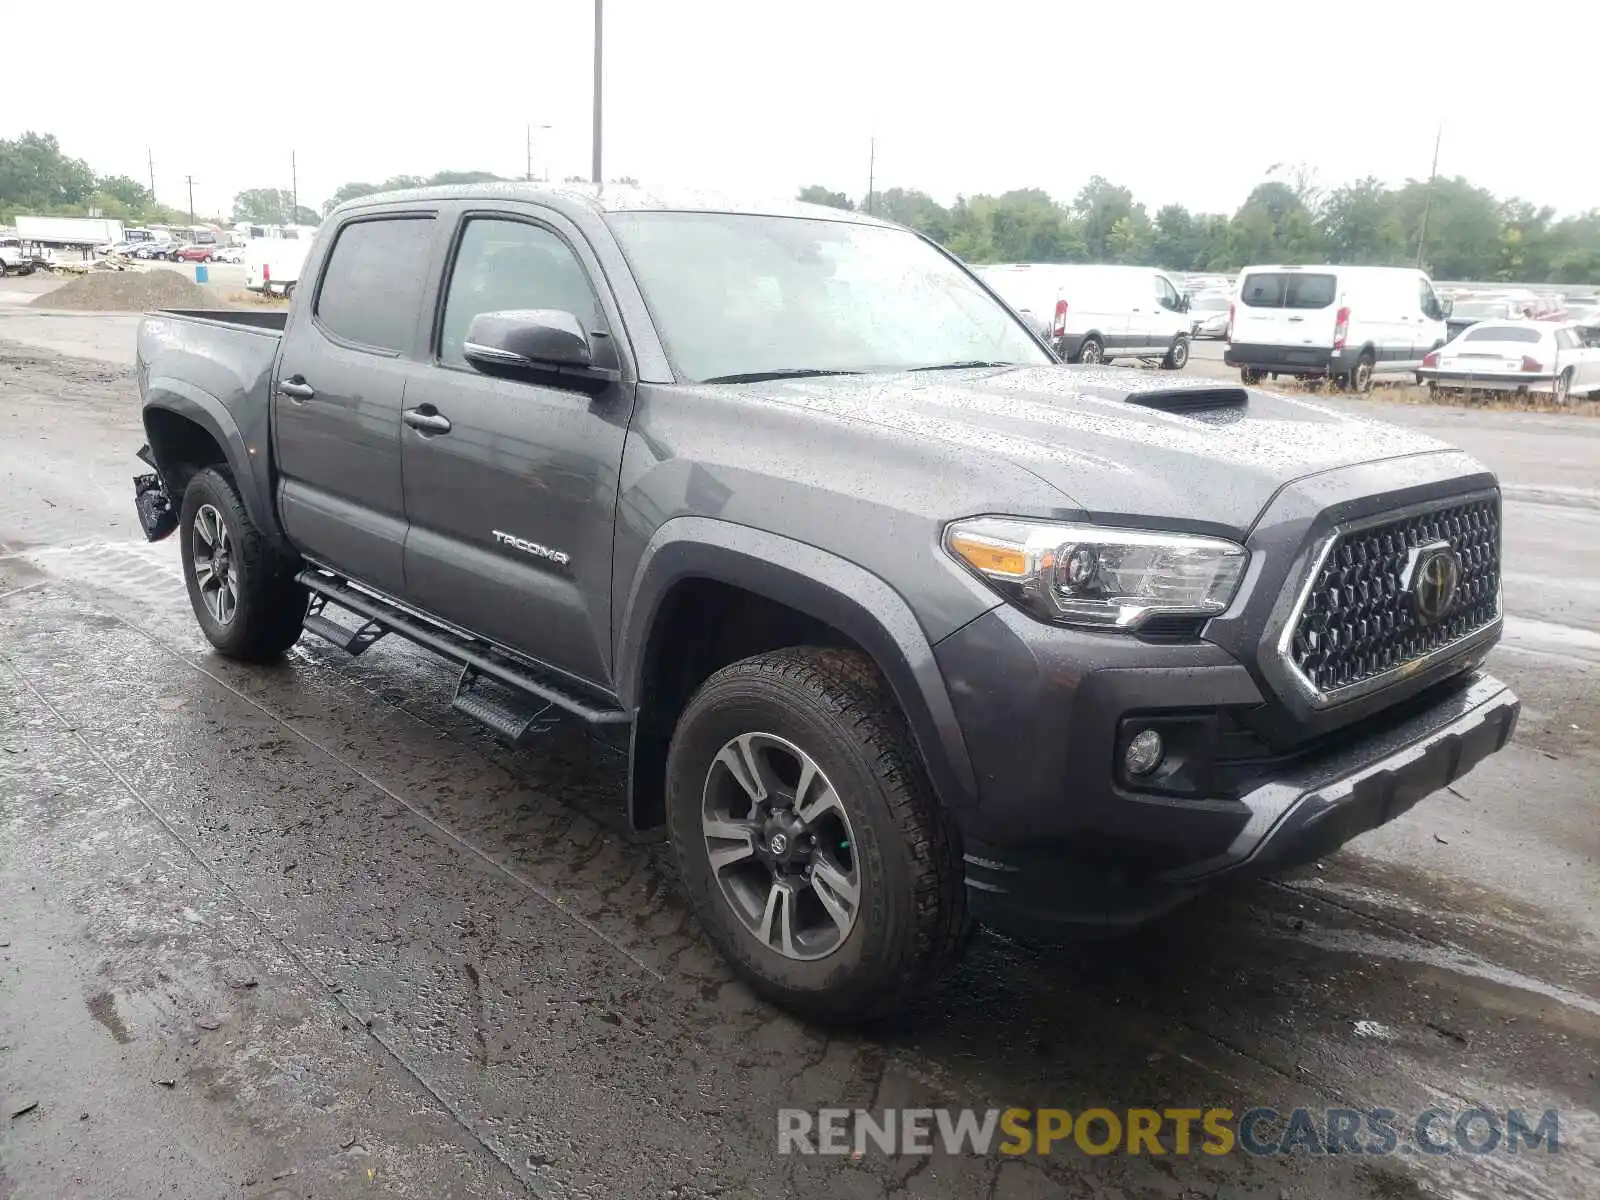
[(1454, 229)]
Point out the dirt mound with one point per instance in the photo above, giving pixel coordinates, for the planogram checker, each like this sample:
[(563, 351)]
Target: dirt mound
[(127, 291)]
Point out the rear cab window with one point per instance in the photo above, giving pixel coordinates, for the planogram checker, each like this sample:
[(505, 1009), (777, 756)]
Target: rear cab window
[(1288, 289), (372, 284), (1503, 333)]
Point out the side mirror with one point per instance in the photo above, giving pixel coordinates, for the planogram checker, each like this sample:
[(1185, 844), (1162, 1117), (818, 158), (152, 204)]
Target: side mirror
[(535, 341), (1447, 306)]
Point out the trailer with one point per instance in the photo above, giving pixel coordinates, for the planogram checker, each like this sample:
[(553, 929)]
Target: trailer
[(69, 233)]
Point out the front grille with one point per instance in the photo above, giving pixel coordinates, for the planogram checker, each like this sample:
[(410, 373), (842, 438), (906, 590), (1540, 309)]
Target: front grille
[(1356, 623)]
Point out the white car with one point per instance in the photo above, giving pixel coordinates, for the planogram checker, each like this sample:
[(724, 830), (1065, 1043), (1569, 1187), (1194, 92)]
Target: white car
[(1208, 315), (228, 254), (1550, 357)]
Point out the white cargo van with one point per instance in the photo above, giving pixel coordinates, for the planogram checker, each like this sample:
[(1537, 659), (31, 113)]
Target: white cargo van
[(1343, 323), (1097, 314), (273, 264)]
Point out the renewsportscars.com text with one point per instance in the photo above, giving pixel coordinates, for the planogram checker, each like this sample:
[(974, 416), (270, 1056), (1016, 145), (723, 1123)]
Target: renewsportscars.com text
[(1176, 1131)]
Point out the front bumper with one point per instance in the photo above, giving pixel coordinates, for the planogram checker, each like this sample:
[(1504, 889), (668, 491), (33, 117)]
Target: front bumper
[(1294, 819), (1062, 841), (1291, 360)]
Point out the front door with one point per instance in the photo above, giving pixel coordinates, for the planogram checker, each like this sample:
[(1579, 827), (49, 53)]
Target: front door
[(337, 399), (511, 510)]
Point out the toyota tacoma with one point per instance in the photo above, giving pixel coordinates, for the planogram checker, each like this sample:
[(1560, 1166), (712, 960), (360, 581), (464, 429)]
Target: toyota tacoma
[(901, 622)]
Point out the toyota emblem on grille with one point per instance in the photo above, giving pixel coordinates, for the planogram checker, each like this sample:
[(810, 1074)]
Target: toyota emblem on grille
[(1433, 576)]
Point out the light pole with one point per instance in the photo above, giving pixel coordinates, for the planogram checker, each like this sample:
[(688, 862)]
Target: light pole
[(599, 23)]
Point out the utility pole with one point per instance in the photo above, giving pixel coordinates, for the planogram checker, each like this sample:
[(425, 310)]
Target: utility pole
[(189, 179), (151, 156), (599, 23), (1427, 204), (294, 191), (872, 164)]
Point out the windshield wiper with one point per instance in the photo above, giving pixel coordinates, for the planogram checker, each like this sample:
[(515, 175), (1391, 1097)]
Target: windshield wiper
[(781, 373), (961, 366)]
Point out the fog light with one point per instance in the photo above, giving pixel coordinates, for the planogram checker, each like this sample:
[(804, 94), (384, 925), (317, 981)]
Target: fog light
[(1144, 752)]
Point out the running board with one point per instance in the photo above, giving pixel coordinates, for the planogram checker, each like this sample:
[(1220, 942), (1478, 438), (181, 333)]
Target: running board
[(531, 694)]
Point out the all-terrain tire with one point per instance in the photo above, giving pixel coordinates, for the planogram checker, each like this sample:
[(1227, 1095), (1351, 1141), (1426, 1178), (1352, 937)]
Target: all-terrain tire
[(911, 918), (270, 608)]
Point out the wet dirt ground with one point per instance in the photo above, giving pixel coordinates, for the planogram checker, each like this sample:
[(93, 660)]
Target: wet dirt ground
[(301, 931)]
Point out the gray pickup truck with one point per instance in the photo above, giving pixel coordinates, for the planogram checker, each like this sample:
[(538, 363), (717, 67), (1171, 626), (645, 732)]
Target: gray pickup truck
[(901, 621)]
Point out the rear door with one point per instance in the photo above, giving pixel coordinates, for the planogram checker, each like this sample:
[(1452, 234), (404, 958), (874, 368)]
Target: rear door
[(337, 398), (512, 509), (1289, 307)]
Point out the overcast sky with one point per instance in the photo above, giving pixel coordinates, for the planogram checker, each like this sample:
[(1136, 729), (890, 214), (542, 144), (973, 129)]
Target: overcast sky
[(1188, 102)]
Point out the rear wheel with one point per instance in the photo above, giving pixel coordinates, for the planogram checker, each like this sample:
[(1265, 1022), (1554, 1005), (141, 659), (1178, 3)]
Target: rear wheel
[(242, 590), (1561, 389), (1093, 350), (809, 839), (1360, 378), (1178, 356), (1250, 376)]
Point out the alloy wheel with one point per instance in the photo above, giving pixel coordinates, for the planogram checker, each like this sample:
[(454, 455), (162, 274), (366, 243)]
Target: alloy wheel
[(215, 573), (781, 846)]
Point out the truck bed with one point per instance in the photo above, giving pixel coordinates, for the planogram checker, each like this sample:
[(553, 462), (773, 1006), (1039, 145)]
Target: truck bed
[(270, 319)]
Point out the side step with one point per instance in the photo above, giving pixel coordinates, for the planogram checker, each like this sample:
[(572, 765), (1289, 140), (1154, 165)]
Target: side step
[(511, 698), (510, 715), (352, 641)]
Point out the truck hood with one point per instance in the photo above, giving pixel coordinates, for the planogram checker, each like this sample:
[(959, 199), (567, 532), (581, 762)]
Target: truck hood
[(1091, 433)]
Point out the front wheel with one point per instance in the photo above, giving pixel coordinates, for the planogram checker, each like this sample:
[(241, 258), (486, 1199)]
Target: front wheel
[(809, 839), (1251, 376), (242, 590), (1178, 356), (1561, 389)]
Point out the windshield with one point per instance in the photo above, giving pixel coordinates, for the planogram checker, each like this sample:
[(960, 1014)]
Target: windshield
[(736, 295)]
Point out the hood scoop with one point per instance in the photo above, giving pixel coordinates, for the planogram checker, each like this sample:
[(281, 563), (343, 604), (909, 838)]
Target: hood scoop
[(1181, 399), (1187, 400)]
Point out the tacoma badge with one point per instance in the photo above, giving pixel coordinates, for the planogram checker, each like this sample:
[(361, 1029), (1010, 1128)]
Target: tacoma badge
[(560, 558)]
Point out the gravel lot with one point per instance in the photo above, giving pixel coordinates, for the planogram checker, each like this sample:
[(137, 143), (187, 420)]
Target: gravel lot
[(301, 931)]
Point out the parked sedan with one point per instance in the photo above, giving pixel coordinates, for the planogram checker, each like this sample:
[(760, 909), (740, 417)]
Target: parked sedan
[(1516, 356), (227, 254), (1208, 315)]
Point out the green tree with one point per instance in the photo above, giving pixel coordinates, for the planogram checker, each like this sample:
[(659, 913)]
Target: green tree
[(271, 206), (36, 176), (1098, 208), (1361, 225), (817, 194)]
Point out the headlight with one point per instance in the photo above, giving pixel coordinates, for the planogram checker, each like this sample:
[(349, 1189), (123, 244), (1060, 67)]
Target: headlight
[(1095, 577)]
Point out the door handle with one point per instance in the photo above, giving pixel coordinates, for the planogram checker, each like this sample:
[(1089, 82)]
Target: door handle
[(1297, 318), (296, 389), (426, 422)]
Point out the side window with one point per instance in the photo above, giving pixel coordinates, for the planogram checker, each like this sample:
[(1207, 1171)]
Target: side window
[(1430, 302), (1566, 340), (372, 283), (504, 265)]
